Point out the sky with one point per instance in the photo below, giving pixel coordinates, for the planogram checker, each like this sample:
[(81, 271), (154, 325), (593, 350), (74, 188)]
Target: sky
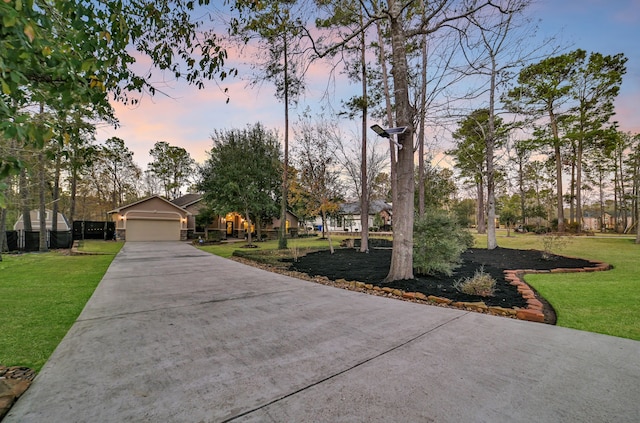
[(186, 117)]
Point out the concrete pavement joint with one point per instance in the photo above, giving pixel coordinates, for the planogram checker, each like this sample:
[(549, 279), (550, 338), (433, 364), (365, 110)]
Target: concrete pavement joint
[(355, 366)]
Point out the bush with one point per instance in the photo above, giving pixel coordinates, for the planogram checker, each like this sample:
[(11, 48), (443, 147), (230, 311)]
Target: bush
[(438, 242), (553, 243), (481, 284)]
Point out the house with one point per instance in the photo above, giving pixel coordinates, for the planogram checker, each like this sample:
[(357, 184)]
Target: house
[(151, 219), (193, 204), (231, 225), (348, 217)]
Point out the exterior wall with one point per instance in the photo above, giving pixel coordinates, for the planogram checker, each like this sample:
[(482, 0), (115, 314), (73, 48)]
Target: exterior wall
[(152, 209), (194, 209)]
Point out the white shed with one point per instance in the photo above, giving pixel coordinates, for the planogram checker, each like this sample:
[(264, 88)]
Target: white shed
[(63, 225)]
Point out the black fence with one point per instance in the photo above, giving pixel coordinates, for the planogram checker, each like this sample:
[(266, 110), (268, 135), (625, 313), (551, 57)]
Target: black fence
[(88, 229), (30, 240)]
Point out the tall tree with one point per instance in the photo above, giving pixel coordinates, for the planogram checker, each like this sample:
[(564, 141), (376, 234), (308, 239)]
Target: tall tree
[(114, 173), (595, 85), (277, 28), (471, 155), (59, 53), (242, 173), (501, 50), (318, 176), (544, 89), (172, 165)]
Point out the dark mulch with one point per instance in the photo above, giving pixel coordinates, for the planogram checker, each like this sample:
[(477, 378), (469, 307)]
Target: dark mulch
[(373, 267)]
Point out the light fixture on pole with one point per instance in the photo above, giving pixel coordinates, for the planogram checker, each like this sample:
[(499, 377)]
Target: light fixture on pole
[(386, 133)]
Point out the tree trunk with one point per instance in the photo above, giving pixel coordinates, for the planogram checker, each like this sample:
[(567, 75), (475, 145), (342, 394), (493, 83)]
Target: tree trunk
[(282, 233), (249, 241), (423, 115), (41, 197), (558, 157), (389, 109), (364, 198), (480, 209), (324, 222), (637, 210), (492, 241), (523, 210), (56, 193), (403, 208), (24, 202), (3, 231), (72, 194), (579, 186)]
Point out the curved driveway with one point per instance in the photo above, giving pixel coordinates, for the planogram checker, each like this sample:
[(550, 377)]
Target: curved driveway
[(173, 334)]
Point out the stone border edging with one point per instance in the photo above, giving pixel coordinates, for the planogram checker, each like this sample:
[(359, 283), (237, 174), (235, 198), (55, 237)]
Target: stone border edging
[(14, 381), (533, 313)]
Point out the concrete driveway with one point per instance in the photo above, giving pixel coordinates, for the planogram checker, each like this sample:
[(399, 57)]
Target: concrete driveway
[(173, 334)]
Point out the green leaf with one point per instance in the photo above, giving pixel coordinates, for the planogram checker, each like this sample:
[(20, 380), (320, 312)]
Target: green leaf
[(5, 88), (9, 21)]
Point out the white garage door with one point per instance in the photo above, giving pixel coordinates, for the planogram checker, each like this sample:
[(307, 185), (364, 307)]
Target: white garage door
[(152, 230)]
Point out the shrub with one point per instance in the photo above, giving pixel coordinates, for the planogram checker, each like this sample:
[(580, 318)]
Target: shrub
[(553, 242), (481, 284), (438, 242)]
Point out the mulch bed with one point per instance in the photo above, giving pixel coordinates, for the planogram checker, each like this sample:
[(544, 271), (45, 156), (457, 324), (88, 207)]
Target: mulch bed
[(373, 267)]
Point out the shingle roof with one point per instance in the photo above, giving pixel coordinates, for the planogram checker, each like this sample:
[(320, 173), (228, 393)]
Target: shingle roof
[(187, 200)]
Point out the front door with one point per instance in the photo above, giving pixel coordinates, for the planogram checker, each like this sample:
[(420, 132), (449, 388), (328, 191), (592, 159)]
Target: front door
[(229, 227)]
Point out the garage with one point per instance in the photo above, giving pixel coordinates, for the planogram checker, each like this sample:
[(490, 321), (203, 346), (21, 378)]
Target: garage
[(151, 219), (153, 230)]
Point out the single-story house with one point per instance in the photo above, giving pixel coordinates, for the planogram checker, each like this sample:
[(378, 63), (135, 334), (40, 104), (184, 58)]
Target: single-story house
[(348, 217), (232, 225), (151, 219)]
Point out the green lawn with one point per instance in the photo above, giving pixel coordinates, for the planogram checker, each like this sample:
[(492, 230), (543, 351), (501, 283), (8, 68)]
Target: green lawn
[(41, 295), (226, 249), (603, 302)]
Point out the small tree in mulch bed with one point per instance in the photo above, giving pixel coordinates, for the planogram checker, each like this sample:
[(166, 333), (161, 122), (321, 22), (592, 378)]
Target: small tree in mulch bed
[(438, 243)]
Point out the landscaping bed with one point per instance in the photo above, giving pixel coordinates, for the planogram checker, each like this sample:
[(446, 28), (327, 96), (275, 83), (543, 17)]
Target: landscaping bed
[(371, 269)]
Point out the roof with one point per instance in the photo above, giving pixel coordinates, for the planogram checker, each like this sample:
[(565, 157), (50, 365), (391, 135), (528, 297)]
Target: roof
[(62, 222), (119, 209), (375, 206), (187, 200)]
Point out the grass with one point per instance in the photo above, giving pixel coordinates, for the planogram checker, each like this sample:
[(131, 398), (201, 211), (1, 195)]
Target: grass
[(601, 302), (41, 295), (226, 249)]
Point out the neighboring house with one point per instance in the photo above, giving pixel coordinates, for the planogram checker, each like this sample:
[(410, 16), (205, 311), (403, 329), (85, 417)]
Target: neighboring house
[(63, 224), (151, 219), (592, 221), (348, 217), (232, 225)]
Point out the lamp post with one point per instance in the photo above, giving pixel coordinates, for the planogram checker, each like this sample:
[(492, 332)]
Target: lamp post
[(386, 133)]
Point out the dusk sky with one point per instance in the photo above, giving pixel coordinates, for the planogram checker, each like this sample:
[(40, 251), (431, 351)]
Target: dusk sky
[(189, 116)]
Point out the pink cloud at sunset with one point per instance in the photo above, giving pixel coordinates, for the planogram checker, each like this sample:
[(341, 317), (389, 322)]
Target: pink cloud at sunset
[(189, 116)]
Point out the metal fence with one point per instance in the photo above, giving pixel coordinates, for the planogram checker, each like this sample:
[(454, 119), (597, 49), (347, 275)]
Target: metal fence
[(30, 240), (88, 229)]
